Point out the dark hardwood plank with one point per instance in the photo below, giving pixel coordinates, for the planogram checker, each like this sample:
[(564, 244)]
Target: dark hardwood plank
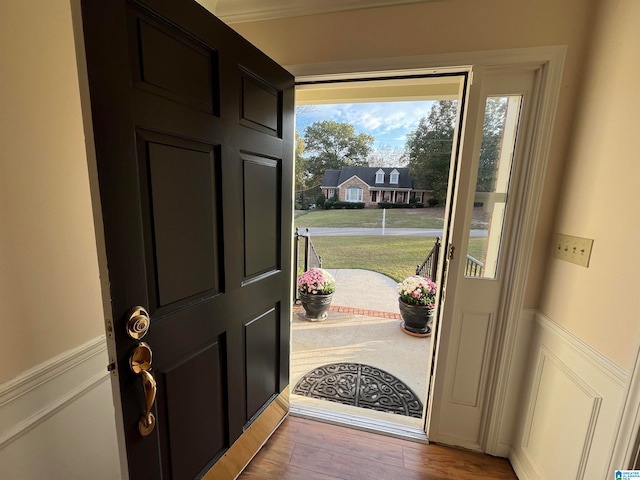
[(310, 450)]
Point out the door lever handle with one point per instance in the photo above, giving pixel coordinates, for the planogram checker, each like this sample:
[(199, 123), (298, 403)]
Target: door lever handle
[(148, 421), (140, 364)]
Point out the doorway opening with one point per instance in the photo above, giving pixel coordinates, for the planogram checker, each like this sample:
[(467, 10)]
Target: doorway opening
[(374, 160)]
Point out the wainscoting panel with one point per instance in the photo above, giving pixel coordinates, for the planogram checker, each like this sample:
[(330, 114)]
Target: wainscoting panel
[(571, 407), (57, 419)]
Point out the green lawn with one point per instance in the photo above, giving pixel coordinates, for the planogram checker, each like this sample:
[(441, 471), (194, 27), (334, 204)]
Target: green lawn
[(394, 256), (372, 218)]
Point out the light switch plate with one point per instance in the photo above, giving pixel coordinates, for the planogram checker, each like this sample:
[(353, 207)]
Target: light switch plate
[(573, 249)]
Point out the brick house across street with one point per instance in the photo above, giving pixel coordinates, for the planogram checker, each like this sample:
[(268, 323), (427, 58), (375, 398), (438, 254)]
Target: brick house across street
[(371, 185)]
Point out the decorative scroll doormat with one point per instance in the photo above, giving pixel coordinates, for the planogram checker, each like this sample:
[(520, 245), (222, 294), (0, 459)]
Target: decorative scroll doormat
[(360, 386)]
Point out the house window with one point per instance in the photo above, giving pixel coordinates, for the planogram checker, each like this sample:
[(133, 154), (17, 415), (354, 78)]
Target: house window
[(393, 177), (400, 197), (331, 193), (380, 176), (419, 197), (354, 194)]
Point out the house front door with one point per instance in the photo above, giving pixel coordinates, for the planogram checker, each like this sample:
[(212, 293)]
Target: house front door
[(193, 133)]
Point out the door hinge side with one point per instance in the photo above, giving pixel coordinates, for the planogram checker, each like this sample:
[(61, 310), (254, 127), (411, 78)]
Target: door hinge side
[(451, 253)]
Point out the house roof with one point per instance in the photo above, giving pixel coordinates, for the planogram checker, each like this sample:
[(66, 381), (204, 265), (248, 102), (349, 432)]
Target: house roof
[(334, 178)]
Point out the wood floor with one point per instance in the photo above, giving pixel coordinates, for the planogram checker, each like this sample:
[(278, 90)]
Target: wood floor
[(310, 450)]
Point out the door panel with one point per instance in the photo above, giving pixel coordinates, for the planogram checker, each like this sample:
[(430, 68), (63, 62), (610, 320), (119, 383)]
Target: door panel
[(261, 335), (261, 214), (193, 133), (180, 180), (203, 407), (261, 106), (160, 55)]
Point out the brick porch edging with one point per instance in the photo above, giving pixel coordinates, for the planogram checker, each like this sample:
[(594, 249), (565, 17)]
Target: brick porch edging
[(357, 311)]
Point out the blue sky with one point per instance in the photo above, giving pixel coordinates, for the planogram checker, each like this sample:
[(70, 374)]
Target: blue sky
[(388, 122)]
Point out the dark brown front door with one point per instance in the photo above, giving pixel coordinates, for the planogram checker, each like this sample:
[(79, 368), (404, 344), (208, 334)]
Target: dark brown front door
[(193, 132)]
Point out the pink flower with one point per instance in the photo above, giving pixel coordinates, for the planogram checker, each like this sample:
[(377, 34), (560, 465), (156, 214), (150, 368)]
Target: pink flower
[(316, 281)]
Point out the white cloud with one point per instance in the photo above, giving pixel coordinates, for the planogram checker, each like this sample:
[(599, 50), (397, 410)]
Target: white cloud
[(388, 122)]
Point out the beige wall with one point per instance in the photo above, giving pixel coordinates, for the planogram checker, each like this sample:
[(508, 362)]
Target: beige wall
[(49, 289), (601, 195), (446, 27)]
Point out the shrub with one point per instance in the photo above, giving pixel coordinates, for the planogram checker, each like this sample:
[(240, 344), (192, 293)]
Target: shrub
[(432, 202), (394, 205), (320, 200), (340, 205), (329, 203)]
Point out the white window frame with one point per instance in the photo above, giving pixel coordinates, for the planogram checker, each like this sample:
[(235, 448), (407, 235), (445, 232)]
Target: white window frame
[(348, 194), (380, 176), (331, 193), (394, 177)]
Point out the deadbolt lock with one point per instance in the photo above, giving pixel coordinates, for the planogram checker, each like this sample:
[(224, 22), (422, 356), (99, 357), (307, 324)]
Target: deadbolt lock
[(138, 323)]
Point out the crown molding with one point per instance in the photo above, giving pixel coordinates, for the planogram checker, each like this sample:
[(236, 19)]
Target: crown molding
[(238, 11)]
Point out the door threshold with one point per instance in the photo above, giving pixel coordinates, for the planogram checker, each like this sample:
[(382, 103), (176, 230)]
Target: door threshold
[(357, 422)]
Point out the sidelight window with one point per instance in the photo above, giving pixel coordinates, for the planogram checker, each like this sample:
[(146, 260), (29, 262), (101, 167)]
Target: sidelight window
[(502, 115)]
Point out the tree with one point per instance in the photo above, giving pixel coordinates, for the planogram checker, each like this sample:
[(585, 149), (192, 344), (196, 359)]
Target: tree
[(333, 145), (387, 156), (492, 130), (429, 149), (300, 165)]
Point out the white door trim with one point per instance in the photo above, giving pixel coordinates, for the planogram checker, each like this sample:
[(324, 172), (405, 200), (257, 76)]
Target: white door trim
[(550, 62), (432, 64)]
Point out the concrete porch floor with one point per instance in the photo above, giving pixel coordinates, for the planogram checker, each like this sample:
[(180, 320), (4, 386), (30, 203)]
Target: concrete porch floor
[(363, 326)]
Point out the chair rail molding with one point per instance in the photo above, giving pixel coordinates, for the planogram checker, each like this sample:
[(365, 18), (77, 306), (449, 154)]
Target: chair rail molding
[(40, 392)]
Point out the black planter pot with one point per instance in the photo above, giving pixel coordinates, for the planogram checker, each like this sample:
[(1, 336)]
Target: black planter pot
[(316, 306), (417, 319)]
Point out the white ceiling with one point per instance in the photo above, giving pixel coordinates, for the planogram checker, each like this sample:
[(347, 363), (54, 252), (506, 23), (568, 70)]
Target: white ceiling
[(236, 11)]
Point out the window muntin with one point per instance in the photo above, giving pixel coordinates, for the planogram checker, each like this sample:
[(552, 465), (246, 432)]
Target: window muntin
[(393, 177), (380, 176)]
